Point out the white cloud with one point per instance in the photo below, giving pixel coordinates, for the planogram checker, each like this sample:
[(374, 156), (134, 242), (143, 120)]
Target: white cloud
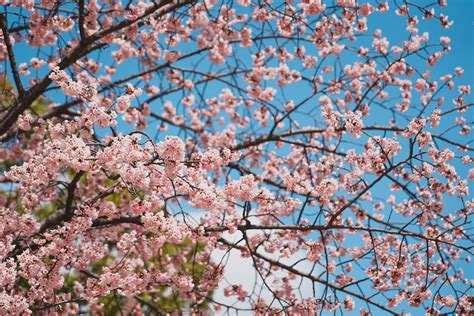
[(238, 270)]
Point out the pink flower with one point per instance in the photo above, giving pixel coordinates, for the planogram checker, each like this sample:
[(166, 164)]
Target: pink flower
[(171, 149), (189, 100), (354, 123), (349, 304)]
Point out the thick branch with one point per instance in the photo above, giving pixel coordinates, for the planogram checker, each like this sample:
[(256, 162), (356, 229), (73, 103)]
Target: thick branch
[(11, 54), (82, 32), (278, 137)]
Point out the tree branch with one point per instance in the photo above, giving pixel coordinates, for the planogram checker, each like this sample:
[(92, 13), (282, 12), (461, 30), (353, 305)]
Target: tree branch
[(11, 54)]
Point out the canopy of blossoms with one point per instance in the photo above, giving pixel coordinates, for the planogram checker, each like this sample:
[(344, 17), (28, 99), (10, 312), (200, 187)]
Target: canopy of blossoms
[(145, 142)]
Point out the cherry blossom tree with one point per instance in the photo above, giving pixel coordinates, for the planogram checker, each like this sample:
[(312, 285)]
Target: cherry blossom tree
[(145, 142)]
